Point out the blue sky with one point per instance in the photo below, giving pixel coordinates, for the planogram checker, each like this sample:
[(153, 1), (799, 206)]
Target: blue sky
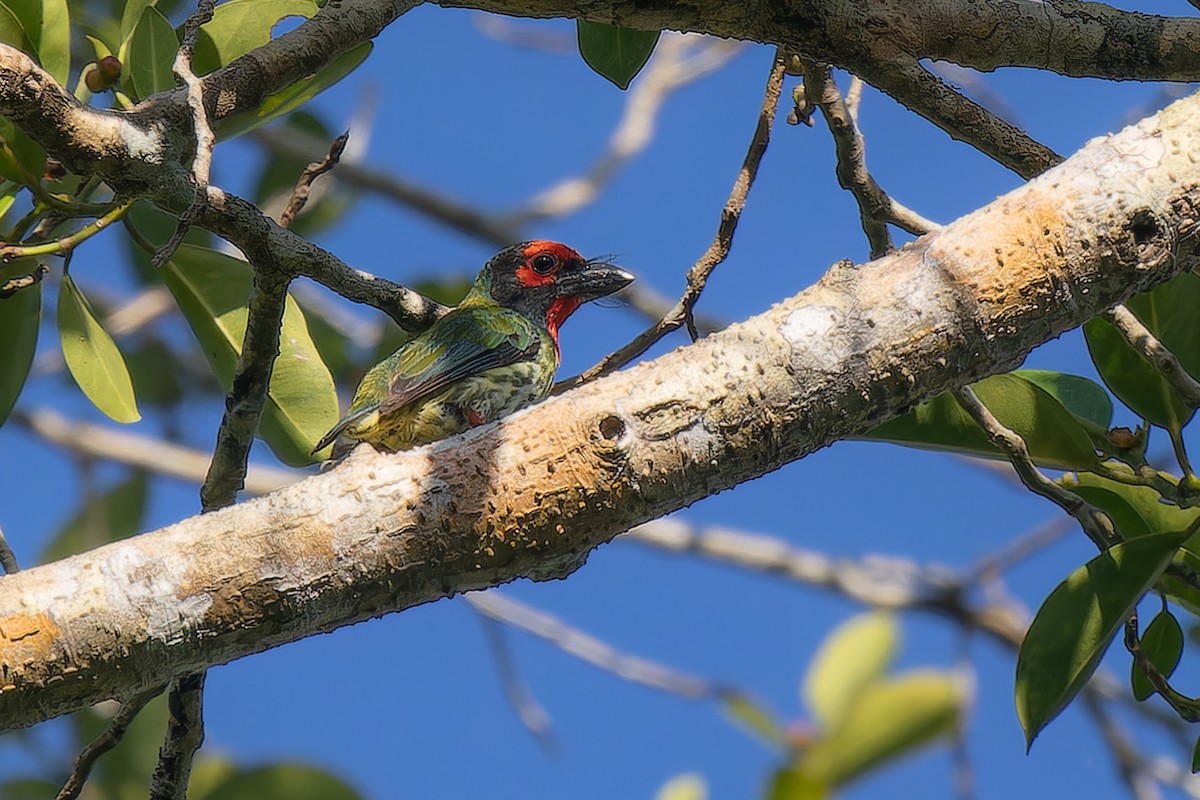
[(411, 705)]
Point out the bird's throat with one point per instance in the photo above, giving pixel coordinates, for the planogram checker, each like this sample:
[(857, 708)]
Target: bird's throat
[(560, 309)]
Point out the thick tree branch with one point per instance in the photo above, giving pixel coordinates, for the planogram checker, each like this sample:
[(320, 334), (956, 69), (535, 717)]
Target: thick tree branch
[(1079, 39), (532, 495)]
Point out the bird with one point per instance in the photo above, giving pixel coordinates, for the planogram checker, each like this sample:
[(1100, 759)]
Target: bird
[(494, 353)]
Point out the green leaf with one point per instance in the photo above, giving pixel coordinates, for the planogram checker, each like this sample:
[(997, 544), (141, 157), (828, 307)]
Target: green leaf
[(889, 719), (99, 46), (789, 784), (54, 39), (20, 318), (22, 160), (28, 789), (41, 28), (1169, 313), (615, 53), (851, 658), (752, 716), (1196, 758), (151, 52), (1179, 589), (1055, 436), (131, 15), (239, 26), (92, 356), (1136, 510), (1162, 642), (212, 289), (12, 26), (208, 774), (108, 517), (293, 781), (1078, 621), (1084, 398), (689, 786), (294, 96)]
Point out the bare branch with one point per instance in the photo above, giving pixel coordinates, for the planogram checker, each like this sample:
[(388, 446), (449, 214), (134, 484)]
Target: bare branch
[(109, 738), (265, 242), (142, 452), (1095, 522), (925, 93), (1147, 344), (876, 208), (431, 203), (876, 581), (531, 713), (1058, 37), (678, 61), (681, 314), (304, 184), (1131, 764), (586, 647), (185, 734), (248, 395), (820, 89), (202, 132), (16, 284)]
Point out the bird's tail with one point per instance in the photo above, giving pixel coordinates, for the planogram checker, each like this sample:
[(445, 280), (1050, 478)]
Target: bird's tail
[(340, 428)]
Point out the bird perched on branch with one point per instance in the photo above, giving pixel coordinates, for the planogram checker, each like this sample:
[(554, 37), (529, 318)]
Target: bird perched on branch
[(496, 352)]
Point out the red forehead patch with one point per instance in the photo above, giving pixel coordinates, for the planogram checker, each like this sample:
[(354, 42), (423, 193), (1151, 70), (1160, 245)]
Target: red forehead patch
[(556, 249)]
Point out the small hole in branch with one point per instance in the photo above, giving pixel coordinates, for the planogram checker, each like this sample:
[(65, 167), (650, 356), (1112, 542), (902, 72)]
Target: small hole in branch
[(612, 427)]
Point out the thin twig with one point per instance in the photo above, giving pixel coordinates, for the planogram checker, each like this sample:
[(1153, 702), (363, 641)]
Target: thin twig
[(1186, 707), (1147, 344), (678, 60), (67, 243), (109, 738), (16, 284), (430, 203), (586, 647), (531, 713), (1095, 522), (314, 170), (263, 242), (143, 452), (875, 207), (697, 276), (185, 734), (201, 129), (8, 559), (1019, 549), (882, 582), (1130, 763), (876, 581)]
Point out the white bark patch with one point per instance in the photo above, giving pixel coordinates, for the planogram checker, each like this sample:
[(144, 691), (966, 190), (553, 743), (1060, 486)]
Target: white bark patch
[(818, 333), (143, 145), (139, 587)]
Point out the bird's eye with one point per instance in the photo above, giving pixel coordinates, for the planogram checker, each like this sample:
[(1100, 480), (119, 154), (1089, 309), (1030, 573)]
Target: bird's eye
[(544, 264)]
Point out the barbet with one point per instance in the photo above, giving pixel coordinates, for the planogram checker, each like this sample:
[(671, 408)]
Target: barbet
[(496, 352)]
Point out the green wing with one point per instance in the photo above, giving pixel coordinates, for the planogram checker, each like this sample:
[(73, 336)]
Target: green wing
[(465, 342)]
